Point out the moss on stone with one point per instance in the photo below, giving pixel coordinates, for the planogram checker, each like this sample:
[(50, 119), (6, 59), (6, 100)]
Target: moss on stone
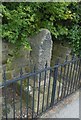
[(8, 75)]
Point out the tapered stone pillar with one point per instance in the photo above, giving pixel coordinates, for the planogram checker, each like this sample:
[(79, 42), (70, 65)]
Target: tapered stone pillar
[(41, 45), (41, 48)]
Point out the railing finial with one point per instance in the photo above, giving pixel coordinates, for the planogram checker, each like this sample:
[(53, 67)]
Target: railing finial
[(4, 74), (34, 69), (57, 61), (21, 72), (46, 64), (73, 56), (66, 57)]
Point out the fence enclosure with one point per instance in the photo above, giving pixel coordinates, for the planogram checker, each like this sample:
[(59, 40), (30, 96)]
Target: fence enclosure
[(31, 94)]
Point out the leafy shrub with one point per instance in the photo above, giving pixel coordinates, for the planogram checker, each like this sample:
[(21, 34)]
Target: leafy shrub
[(21, 20)]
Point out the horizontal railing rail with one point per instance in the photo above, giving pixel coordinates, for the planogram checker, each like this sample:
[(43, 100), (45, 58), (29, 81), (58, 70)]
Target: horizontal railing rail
[(37, 72)]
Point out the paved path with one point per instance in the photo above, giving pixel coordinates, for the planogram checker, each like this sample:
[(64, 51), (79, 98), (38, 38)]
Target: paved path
[(68, 108)]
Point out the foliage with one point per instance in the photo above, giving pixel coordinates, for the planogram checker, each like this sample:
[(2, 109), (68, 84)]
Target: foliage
[(75, 30), (21, 20), (75, 37), (18, 23)]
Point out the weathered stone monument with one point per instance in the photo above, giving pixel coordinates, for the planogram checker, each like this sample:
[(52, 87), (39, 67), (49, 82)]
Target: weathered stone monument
[(41, 52), (41, 48)]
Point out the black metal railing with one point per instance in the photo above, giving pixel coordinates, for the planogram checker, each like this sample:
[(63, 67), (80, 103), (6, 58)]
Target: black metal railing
[(29, 95)]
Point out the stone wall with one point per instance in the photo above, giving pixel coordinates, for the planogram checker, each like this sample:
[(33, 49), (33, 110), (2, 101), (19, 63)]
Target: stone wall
[(41, 52), (41, 45), (11, 62), (59, 51)]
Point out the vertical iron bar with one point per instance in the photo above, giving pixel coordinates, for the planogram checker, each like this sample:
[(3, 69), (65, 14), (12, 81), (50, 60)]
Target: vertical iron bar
[(75, 87), (21, 94), (80, 74), (44, 88), (27, 96), (63, 84), (70, 70), (14, 89), (68, 79), (73, 58), (76, 79), (5, 89), (79, 77), (71, 81), (74, 76), (33, 93), (65, 81), (54, 84), (48, 88), (38, 93), (59, 84)]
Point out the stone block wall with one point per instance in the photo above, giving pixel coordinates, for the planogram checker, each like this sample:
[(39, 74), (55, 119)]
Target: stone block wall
[(41, 45), (11, 62), (60, 51), (42, 50)]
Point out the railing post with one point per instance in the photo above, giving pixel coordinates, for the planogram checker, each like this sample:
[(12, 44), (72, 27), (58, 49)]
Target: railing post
[(80, 73), (5, 89), (34, 70), (21, 73), (64, 78), (54, 84), (44, 88)]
